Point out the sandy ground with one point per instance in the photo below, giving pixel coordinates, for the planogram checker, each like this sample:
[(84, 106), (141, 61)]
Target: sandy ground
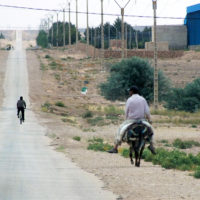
[(3, 59), (147, 182)]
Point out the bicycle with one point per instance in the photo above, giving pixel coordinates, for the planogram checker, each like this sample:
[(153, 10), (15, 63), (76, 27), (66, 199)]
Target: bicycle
[(20, 117)]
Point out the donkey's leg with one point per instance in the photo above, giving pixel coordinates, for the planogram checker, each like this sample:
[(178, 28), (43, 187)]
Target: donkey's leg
[(140, 156), (136, 157), (131, 154)]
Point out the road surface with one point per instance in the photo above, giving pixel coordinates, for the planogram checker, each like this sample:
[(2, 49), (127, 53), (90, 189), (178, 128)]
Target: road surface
[(29, 168)]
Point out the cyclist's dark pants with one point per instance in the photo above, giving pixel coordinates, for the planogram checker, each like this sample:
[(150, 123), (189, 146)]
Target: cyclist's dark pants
[(22, 110)]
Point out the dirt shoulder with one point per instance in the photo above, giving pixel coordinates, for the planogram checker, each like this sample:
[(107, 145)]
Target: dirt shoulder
[(3, 61), (148, 181)]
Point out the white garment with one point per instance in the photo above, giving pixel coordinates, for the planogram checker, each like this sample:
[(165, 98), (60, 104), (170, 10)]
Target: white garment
[(136, 108), (122, 128)]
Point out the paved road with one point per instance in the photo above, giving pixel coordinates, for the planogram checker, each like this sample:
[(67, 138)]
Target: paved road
[(29, 168)]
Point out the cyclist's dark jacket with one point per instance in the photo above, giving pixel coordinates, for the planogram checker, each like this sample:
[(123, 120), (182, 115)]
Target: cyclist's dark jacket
[(21, 104)]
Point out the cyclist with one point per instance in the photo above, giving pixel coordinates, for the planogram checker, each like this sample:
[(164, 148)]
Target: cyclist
[(21, 106)]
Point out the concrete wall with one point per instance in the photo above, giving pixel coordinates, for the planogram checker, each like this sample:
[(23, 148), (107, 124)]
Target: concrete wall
[(96, 53), (175, 35), (161, 46), (143, 54), (90, 51)]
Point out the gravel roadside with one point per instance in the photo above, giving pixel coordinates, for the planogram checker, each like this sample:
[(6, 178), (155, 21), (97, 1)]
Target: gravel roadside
[(147, 182)]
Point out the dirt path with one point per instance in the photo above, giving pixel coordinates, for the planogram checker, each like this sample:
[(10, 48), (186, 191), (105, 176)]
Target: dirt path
[(3, 59), (148, 182)]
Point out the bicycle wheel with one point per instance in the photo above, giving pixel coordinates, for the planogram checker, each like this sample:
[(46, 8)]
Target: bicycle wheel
[(20, 117)]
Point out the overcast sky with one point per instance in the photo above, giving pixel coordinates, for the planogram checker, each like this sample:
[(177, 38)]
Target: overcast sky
[(19, 18)]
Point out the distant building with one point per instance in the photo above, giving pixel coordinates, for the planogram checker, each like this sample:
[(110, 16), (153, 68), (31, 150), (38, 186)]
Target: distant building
[(174, 35), (192, 22)]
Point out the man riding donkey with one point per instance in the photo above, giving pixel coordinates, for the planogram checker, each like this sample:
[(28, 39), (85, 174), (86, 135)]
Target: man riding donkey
[(137, 109)]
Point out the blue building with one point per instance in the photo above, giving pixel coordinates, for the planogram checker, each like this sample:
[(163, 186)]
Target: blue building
[(192, 22)]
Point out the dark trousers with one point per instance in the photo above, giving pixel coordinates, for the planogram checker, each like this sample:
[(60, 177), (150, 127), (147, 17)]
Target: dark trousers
[(22, 110)]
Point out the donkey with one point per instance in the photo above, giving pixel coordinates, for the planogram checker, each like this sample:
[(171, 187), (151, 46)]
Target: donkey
[(137, 135)]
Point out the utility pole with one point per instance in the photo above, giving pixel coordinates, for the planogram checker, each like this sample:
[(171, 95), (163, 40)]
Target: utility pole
[(64, 28), (122, 31), (126, 33), (136, 39), (57, 31), (155, 58), (76, 23), (109, 35), (102, 35), (87, 27), (95, 41), (69, 24), (130, 37), (48, 29), (52, 31), (122, 27)]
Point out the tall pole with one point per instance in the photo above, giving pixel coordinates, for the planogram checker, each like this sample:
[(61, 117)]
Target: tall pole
[(102, 35), (122, 27), (64, 28), (155, 58), (87, 27), (122, 30), (57, 32), (52, 31), (126, 39), (109, 35), (130, 38), (136, 39), (95, 41), (76, 22), (69, 25), (48, 30)]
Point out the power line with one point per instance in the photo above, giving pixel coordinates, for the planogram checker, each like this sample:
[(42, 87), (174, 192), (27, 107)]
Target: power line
[(93, 13)]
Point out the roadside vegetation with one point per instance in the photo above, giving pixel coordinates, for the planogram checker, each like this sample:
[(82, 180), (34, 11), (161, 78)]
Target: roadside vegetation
[(97, 144), (60, 104), (168, 159), (133, 71), (187, 99), (77, 138)]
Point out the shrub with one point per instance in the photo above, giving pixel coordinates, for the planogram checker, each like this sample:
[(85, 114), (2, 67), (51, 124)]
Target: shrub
[(87, 114), (57, 77), (133, 71), (43, 67), (125, 153), (60, 104), (164, 141), (112, 111), (53, 65), (97, 121), (185, 144), (46, 106), (47, 56), (60, 148), (77, 138), (197, 173), (187, 99), (97, 144)]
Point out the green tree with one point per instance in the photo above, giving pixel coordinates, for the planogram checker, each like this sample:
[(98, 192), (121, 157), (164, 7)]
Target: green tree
[(42, 39), (114, 32), (133, 71), (60, 34), (2, 36)]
